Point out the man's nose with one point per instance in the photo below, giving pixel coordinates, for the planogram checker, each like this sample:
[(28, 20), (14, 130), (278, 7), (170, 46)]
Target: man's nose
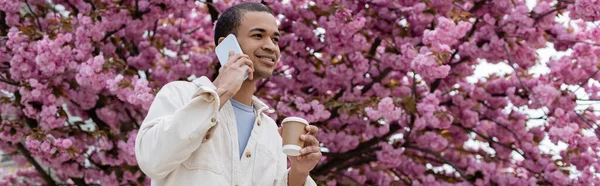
[(269, 45)]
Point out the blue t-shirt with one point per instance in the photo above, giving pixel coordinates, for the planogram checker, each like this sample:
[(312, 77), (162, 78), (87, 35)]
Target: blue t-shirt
[(244, 117)]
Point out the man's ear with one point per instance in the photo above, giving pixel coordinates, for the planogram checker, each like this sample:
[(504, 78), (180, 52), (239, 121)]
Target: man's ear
[(221, 40)]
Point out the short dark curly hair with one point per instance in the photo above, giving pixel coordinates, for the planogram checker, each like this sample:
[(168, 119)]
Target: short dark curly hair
[(230, 20)]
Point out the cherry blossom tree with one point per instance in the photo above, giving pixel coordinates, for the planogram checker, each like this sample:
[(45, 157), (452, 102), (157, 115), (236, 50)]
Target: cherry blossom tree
[(389, 83)]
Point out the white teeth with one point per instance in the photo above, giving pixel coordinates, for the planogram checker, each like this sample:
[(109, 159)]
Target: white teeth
[(266, 58)]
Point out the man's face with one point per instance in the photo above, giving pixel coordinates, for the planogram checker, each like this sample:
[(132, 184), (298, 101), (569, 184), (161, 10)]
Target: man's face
[(258, 35)]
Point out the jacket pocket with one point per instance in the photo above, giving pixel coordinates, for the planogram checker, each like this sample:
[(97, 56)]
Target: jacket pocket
[(206, 157), (215, 168), (265, 167)]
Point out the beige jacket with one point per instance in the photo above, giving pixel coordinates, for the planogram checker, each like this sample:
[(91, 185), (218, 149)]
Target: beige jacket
[(186, 140)]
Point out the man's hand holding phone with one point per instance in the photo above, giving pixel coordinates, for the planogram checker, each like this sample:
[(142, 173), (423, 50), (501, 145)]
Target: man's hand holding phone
[(236, 67), (231, 75)]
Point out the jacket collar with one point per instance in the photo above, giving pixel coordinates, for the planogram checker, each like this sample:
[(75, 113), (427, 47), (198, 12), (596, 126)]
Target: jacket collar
[(261, 106)]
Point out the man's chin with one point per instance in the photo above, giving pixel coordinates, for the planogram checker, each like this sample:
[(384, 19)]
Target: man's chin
[(263, 75)]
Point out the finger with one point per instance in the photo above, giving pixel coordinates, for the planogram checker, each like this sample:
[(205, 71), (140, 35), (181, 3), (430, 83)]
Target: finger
[(310, 149), (231, 53), (312, 129), (246, 61), (234, 59), (241, 62), (309, 140), (250, 72), (239, 57), (314, 156), (279, 130)]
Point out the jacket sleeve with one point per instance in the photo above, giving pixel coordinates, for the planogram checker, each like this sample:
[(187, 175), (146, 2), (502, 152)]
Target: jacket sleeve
[(282, 173), (173, 127)]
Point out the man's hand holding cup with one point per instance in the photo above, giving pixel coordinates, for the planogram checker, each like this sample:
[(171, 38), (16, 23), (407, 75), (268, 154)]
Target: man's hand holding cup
[(300, 144)]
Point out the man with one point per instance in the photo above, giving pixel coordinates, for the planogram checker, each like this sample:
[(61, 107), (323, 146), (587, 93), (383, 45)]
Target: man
[(217, 133)]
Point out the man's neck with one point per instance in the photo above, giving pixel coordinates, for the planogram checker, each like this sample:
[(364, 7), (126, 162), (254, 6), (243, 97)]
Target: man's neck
[(244, 95)]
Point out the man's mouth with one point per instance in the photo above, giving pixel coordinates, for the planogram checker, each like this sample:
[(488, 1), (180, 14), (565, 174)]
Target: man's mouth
[(267, 59)]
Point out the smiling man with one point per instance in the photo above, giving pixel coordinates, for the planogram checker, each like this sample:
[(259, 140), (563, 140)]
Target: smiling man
[(217, 133)]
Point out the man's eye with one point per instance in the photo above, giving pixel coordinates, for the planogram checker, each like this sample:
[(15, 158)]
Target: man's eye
[(276, 39), (257, 35)]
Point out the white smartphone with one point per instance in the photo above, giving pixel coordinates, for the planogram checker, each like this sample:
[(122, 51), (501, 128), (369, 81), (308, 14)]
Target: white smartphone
[(230, 43)]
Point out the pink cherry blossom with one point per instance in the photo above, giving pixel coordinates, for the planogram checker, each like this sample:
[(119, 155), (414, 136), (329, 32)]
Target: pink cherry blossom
[(393, 86)]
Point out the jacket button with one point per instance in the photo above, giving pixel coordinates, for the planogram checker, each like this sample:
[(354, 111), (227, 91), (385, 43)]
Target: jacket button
[(248, 154), (207, 136), (213, 120), (258, 122)]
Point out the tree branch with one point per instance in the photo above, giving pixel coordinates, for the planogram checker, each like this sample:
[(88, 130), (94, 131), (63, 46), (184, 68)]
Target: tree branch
[(3, 26), (360, 149), (38, 167), (575, 41), (339, 94), (490, 140), (373, 48), (586, 122), (10, 82), (510, 63), (194, 30), (132, 118), (541, 16), (91, 4), (351, 179), (376, 80), (588, 79), (262, 85), (406, 181), (79, 181), (437, 81), (376, 43), (154, 30), (371, 55), (103, 167), (110, 33), (75, 10), (34, 14), (427, 151), (477, 6), (362, 160)]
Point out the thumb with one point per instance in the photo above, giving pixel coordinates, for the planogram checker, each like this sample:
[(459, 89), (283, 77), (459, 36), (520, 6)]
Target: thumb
[(279, 130)]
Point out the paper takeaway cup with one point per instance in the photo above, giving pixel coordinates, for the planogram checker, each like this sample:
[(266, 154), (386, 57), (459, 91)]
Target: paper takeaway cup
[(292, 128)]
